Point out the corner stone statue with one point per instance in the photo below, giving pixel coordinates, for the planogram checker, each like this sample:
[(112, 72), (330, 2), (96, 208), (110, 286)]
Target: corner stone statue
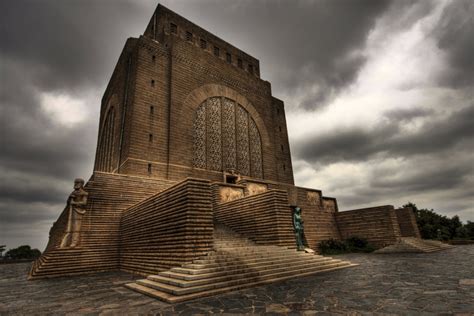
[(76, 204), (299, 228)]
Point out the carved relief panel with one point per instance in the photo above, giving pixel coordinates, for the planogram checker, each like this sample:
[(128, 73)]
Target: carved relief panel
[(256, 188), (228, 194), (329, 205), (312, 197)]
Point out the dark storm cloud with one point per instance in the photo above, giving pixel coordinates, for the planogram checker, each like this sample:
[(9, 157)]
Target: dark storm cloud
[(66, 44), (359, 144), (308, 45), (438, 177), (455, 37), (407, 115)]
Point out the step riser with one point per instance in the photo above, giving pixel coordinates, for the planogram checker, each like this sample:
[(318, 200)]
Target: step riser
[(238, 279)]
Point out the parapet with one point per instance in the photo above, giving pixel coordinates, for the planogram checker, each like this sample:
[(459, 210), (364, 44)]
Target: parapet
[(167, 24)]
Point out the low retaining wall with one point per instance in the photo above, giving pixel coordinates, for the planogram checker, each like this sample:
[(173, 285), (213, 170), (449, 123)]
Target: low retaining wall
[(378, 225)]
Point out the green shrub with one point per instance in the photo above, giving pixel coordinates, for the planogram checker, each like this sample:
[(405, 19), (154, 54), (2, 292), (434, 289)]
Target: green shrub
[(352, 244), (332, 246), (23, 252)]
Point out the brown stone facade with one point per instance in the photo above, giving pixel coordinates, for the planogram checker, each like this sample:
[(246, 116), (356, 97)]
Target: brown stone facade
[(189, 137)]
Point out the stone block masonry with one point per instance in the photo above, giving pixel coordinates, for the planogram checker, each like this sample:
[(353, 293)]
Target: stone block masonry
[(264, 218), (378, 225), (168, 229), (407, 222)]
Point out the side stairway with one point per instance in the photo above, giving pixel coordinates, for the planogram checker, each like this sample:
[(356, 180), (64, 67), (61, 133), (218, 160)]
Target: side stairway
[(235, 263), (413, 244), (109, 196)]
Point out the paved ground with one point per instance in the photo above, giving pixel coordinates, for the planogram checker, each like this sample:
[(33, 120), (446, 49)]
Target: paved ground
[(436, 283)]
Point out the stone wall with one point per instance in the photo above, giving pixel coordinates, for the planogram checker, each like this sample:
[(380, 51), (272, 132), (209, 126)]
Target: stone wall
[(167, 229), (264, 218), (319, 222), (378, 225), (407, 222)]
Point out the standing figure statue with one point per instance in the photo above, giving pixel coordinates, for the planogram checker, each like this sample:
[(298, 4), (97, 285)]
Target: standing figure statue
[(299, 228), (76, 205)]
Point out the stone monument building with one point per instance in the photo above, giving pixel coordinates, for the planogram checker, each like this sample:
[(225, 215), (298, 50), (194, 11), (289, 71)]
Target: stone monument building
[(193, 183)]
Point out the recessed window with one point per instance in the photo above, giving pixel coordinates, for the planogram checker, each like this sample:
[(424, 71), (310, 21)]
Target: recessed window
[(149, 168), (216, 51), (239, 63), (189, 36), (251, 69), (153, 58), (284, 167), (173, 28), (152, 110), (228, 57), (279, 127), (203, 44), (150, 138), (281, 146), (152, 83)]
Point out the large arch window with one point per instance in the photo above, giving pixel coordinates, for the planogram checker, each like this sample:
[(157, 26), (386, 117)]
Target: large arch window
[(226, 137)]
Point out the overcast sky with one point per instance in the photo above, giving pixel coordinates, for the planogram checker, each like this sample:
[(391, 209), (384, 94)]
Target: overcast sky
[(378, 94)]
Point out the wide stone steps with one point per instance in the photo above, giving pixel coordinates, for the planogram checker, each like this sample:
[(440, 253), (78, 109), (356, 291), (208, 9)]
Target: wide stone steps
[(236, 263), (225, 287), (412, 244)]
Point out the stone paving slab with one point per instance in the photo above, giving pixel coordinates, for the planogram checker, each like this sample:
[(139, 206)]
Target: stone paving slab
[(397, 284)]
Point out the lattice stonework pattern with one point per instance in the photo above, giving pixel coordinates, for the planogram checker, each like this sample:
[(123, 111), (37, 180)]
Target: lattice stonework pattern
[(255, 150), (199, 160), (242, 127), (226, 137), (228, 134), (214, 149)]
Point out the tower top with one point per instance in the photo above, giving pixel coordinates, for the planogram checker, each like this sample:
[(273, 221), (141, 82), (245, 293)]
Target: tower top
[(165, 23)]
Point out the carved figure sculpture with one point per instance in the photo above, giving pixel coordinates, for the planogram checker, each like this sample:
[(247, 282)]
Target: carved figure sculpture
[(76, 205), (299, 228)]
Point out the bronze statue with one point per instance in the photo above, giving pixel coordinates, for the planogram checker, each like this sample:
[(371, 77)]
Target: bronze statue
[(299, 228), (76, 205)]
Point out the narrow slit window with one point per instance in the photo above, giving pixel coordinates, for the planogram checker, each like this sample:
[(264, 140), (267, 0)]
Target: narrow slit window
[(189, 36), (149, 168), (150, 138), (203, 44), (216, 51), (153, 58), (284, 167), (229, 58), (279, 127), (152, 83), (152, 110), (281, 146), (173, 28)]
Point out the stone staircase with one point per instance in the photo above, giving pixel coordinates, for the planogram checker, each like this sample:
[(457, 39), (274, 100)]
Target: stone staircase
[(413, 244), (235, 263), (109, 196)]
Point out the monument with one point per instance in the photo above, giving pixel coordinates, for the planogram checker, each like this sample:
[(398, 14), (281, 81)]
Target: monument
[(193, 182)]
